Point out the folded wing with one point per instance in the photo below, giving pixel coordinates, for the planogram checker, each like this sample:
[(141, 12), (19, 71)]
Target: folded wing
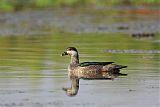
[(83, 64)]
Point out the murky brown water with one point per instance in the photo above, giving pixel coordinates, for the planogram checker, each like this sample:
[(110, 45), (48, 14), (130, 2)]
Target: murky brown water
[(32, 72)]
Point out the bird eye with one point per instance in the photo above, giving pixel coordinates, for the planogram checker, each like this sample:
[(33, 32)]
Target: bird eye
[(69, 49)]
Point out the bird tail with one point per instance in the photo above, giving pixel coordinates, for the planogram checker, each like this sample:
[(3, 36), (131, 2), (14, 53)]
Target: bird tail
[(121, 74), (120, 67), (116, 68)]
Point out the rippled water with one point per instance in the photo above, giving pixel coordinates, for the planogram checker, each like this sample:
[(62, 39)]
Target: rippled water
[(32, 72)]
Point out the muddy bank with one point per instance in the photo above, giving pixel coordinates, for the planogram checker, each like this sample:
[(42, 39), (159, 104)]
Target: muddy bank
[(100, 20)]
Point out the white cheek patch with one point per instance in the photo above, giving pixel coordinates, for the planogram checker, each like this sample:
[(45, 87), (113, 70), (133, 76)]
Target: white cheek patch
[(73, 53), (69, 52)]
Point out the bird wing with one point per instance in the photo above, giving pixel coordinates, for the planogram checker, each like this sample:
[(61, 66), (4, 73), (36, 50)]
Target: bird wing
[(83, 64)]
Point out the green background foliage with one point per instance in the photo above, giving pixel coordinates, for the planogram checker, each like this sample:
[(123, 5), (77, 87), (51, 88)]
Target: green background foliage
[(10, 5)]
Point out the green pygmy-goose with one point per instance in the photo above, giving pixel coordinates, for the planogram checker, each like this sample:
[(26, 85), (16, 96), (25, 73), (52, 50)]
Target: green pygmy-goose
[(90, 70)]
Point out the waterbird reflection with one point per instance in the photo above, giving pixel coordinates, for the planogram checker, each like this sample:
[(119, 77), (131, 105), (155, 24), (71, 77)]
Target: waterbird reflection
[(73, 90)]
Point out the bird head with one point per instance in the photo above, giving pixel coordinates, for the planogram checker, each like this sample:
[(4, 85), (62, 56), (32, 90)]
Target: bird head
[(71, 51)]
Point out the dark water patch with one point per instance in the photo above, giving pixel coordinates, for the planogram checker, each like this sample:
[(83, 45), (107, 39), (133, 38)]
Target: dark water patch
[(130, 90), (4, 92), (143, 35), (33, 104), (133, 51)]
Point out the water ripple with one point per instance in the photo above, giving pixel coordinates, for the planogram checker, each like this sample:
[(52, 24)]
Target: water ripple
[(132, 51)]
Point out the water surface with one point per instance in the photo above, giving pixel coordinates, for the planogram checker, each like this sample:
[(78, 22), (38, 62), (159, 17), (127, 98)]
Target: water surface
[(32, 72)]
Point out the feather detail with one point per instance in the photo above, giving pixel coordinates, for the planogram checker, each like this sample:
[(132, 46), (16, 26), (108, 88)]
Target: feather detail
[(83, 64)]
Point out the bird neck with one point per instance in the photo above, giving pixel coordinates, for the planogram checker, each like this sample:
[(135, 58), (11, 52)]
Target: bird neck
[(74, 60)]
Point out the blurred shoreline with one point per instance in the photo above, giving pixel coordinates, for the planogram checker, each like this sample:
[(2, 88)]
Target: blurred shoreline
[(109, 19), (17, 5)]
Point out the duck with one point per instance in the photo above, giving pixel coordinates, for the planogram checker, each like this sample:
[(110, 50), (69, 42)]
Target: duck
[(90, 70)]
